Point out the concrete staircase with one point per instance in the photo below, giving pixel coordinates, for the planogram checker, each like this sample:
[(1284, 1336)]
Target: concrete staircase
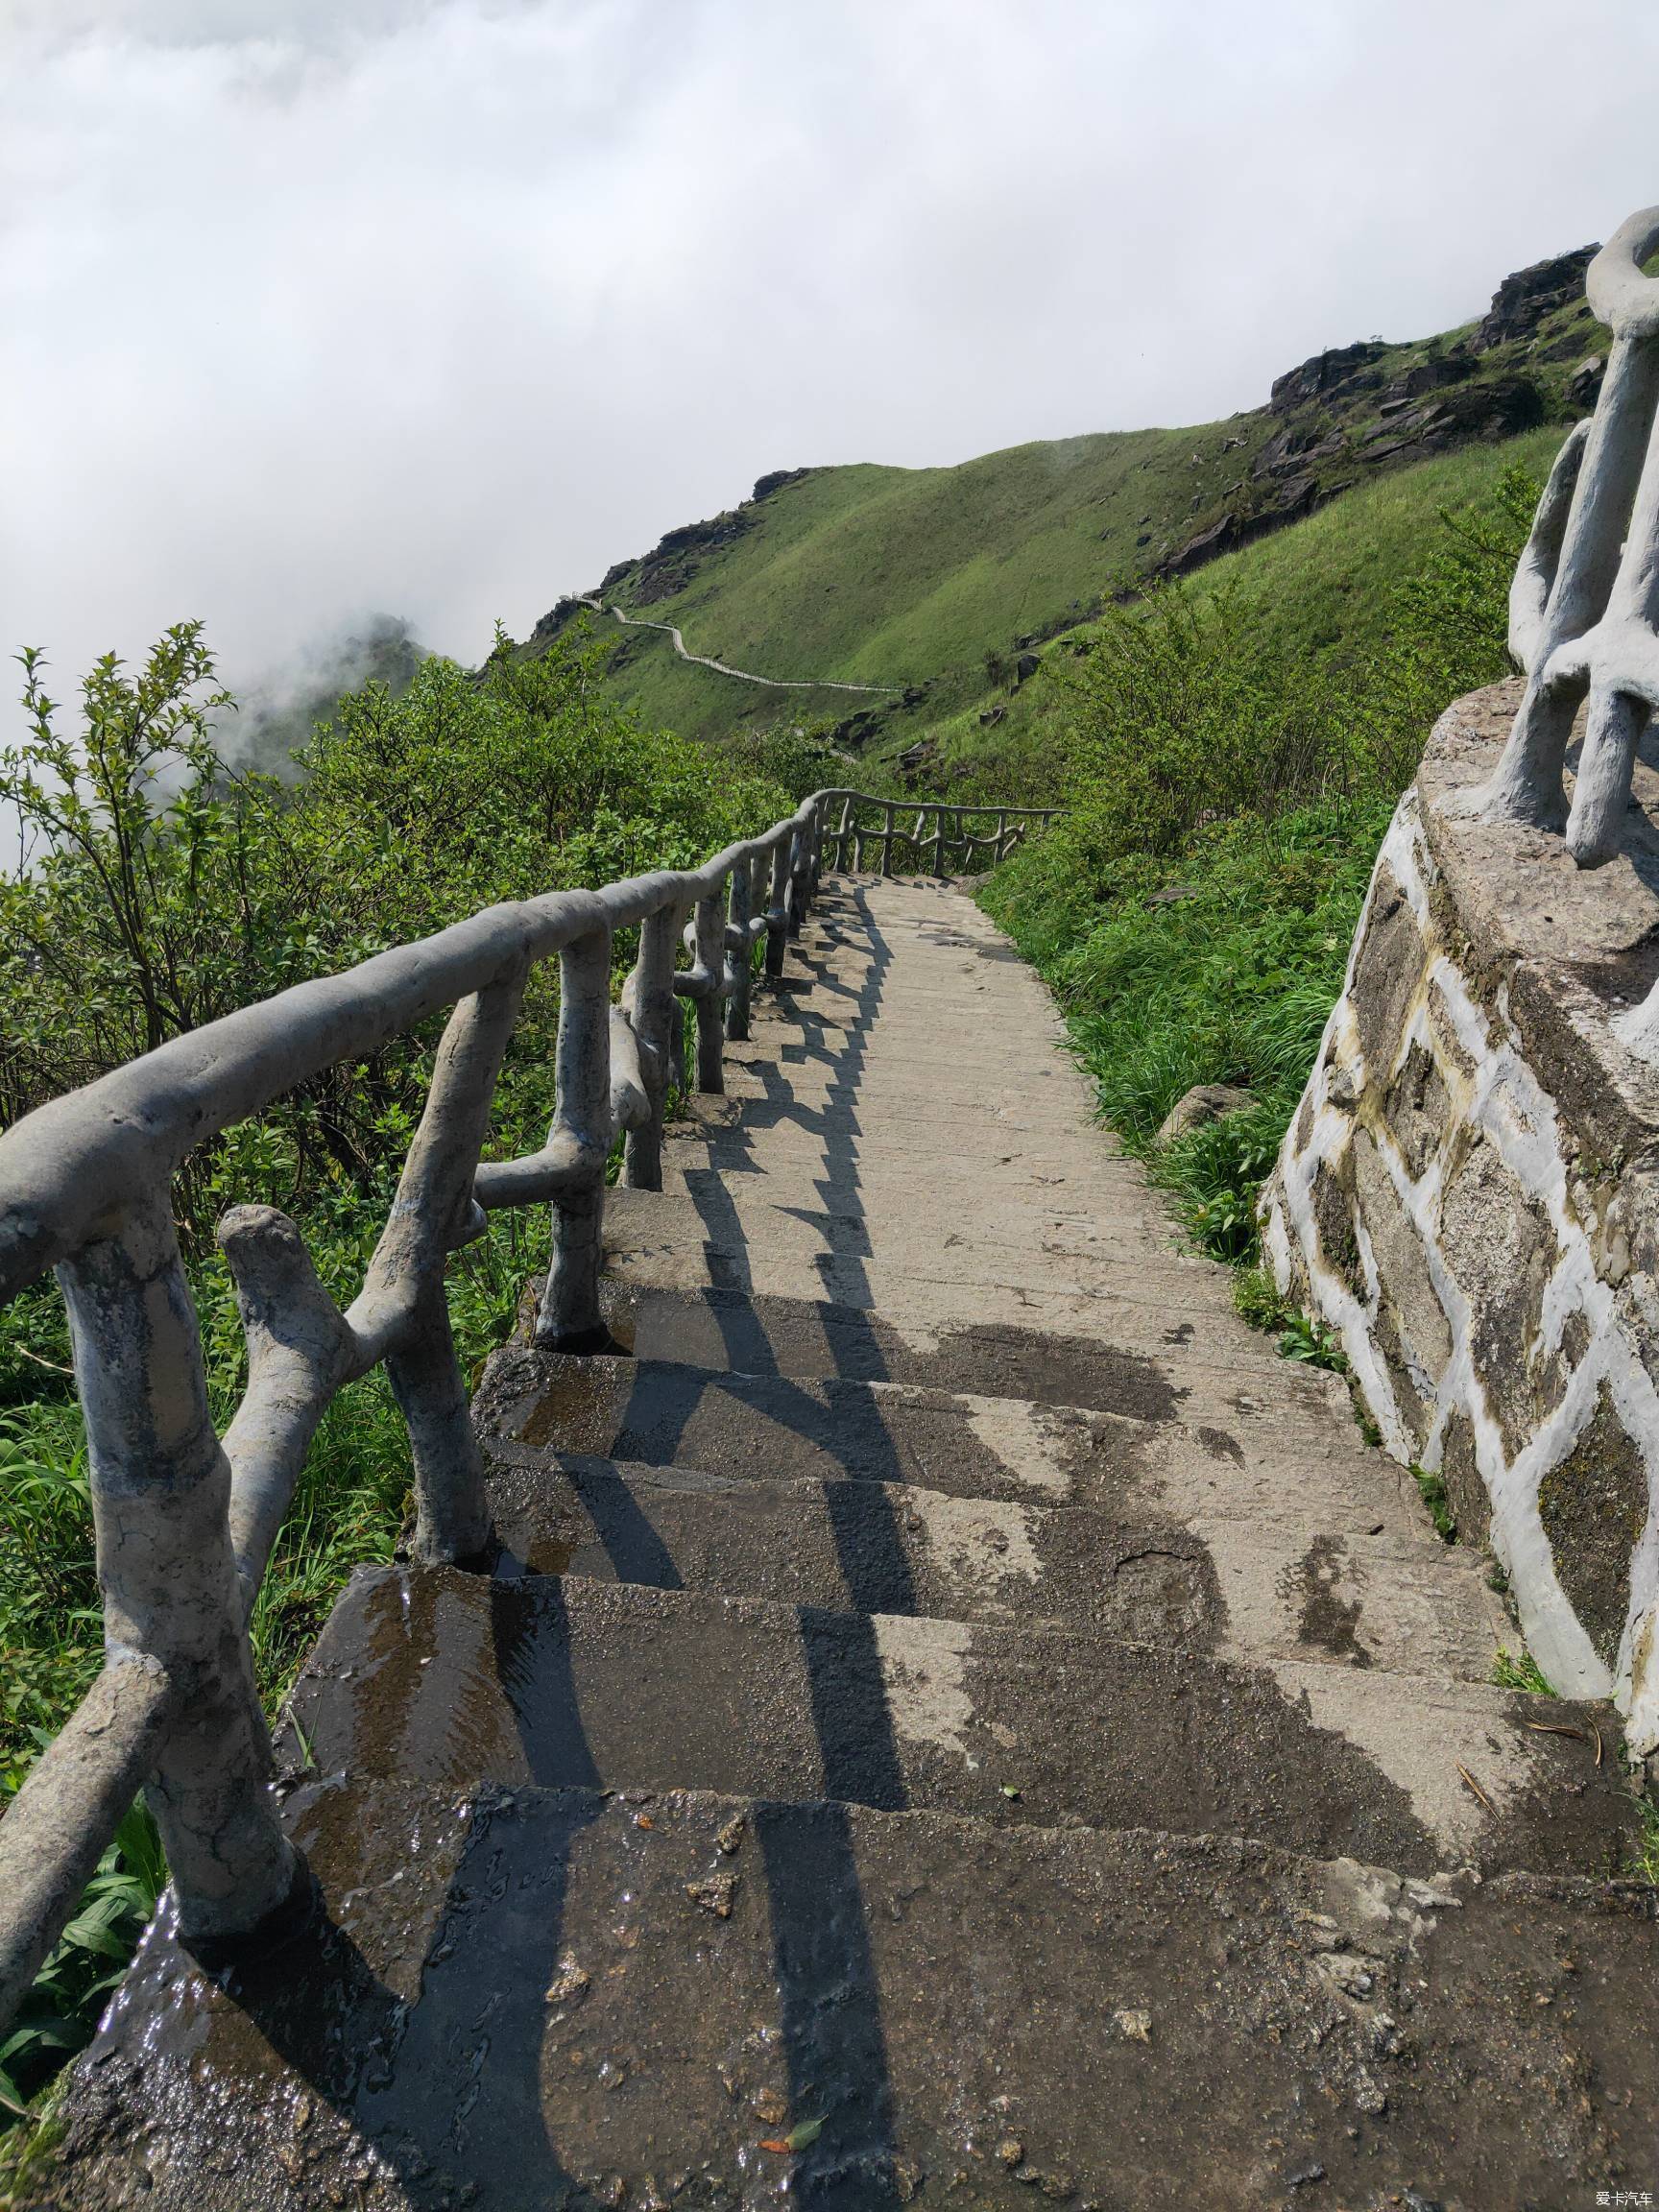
[(956, 1720)]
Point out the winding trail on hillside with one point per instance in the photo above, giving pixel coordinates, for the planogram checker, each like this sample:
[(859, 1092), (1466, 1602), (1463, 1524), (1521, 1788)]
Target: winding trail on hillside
[(721, 668)]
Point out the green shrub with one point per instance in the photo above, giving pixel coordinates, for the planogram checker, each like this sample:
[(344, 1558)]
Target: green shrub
[(1227, 795)]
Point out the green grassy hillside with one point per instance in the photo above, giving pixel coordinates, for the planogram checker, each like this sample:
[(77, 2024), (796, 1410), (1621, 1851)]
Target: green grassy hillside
[(912, 577), (1322, 588)]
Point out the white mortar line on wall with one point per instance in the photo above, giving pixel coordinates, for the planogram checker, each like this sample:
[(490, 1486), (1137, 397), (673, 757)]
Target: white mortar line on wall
[(1510, 1107), (1519, 1116), (1551, 1627), (1298, 1171)]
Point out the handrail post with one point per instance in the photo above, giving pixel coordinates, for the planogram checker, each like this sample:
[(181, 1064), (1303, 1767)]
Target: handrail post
[(759, 883), (656, 1018), (778, 908), (710, 939), (738, 968), (160, 1502), (842, 838), (429, 1219), (795, 894), (939, 841), (888, 841), (571, 1319)]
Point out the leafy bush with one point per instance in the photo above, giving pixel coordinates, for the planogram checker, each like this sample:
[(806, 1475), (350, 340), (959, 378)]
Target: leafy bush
[(61, 2009)]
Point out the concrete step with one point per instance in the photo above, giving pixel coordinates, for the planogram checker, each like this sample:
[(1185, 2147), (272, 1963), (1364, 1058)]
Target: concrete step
[(1112, 1190), (853, 1102), (654, 1240), (851, 1546), (906, 1141), (1001, 1349), (539, 1999), (1245, 1590), (1145, 1464), (849, 1208), (438, 1676)]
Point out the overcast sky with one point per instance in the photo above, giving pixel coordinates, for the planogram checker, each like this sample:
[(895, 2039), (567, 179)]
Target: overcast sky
[(309, 307)]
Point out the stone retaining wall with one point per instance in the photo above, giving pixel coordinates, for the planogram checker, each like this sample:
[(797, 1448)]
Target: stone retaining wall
[(1470, 1194)]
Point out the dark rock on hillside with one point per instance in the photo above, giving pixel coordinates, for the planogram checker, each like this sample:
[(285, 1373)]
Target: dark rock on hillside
[(673, 561), (1340, 369), (765, 485), (1453, 366), (1522, 300), (1236, 528), (1026, 666), (1584, 385), (1289, 452), (558, 617)]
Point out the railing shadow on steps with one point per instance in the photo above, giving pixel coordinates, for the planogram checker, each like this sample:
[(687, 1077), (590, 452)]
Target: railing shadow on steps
[(185, 1521)]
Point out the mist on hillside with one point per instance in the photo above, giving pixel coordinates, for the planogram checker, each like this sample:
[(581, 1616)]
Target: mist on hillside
[(278, 709)]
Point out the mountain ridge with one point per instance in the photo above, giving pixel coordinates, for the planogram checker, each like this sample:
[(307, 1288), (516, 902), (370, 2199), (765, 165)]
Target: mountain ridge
[(923, 580)]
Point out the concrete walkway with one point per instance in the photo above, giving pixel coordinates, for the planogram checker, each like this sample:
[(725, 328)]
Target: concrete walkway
[(722, 668), (957, 1719)]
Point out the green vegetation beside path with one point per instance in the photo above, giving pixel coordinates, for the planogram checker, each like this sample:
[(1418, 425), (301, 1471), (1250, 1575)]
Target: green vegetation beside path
[(1227, 795)]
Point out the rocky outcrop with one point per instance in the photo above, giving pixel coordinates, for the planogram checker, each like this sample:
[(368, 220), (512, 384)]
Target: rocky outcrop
[(1242, 526), (1341, 370), (765, 485), (1469, 1196), (1522, 301), (672, 563)]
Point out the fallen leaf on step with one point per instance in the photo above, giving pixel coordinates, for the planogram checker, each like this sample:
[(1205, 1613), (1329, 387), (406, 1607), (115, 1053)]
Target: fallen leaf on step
[(800, 2138)]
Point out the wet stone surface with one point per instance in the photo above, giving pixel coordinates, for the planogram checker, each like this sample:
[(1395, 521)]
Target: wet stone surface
[(856, 1547), (1201, 2008), (452, 1679)]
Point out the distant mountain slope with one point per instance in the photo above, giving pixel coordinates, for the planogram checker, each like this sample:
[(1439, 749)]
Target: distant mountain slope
[(912, 576)]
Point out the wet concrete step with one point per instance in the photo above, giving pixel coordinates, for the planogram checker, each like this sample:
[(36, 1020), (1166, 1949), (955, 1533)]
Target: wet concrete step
[(853, 1547), (553, 1998), (1239, 1588), (1006, 1350), (1146, 1465), (438, 1676)]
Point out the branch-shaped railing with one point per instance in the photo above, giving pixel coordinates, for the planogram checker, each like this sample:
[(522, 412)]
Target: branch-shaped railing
[(186, 1520), (926, 833)]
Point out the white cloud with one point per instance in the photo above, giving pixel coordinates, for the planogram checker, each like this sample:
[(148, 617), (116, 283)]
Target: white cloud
[(345, 303)]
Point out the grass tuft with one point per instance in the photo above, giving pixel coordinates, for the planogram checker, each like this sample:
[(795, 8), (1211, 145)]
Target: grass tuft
[(1510, 1673), (1432, 1492)]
